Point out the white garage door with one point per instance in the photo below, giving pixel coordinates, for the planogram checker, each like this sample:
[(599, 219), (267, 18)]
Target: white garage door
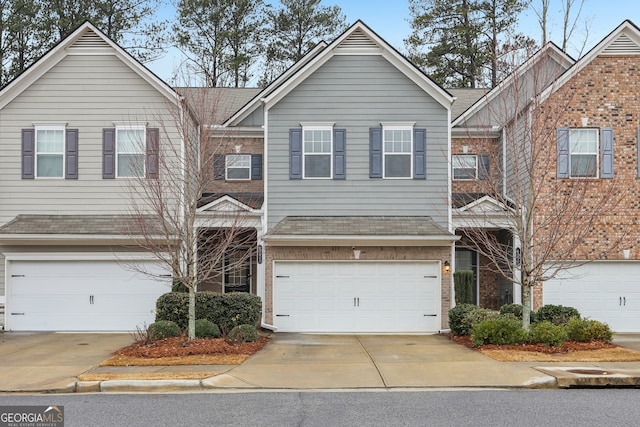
[(81, 295), (605, 291), (357, 296)]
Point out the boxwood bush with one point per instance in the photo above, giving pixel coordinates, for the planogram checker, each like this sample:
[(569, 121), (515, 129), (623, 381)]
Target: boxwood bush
[(502, 330), (463, 317), (547, 333), (556, 314), (207, 329), (163, 329), (243, 333), (224, 310), (585, 330)]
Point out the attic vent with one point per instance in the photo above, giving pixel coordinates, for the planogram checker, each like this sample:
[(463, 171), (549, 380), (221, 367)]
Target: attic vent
[(89, 40), (358, 40), (622, 45)]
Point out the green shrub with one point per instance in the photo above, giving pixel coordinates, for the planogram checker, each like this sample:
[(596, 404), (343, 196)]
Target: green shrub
[(463, 284), (502, 330), (207, 329), (163, 329), (243, 333), (224, 310), (462, 318), (556, 314), (547, 333), (178, 286), (515, 309), (585, 330)]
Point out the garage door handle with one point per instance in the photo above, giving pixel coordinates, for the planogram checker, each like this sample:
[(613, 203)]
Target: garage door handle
[(624, 300), (17, 314), (282, 315), (17, 275), (430, 277), (430, 315), (282, 277)]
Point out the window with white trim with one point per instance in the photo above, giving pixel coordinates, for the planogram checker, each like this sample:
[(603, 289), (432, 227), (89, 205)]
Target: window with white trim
[(49, 151), (317, 152), (397, 146), (583, 153), (130, 152), (465, 166), (238, 166)]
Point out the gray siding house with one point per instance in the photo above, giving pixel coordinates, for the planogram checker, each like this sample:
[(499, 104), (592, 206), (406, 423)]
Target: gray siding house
[(79, 129), (357, 224), (346, 198)]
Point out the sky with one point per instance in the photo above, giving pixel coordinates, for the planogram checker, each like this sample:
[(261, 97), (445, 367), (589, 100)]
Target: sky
[(389, 19)]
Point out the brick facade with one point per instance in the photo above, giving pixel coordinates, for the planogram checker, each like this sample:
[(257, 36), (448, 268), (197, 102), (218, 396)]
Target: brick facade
[(227, 145), (476, 146), (342, 253), (606, 92)]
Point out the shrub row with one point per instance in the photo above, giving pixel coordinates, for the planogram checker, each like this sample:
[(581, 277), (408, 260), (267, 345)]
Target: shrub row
[(224, 310), (551, 325), (204, 329)]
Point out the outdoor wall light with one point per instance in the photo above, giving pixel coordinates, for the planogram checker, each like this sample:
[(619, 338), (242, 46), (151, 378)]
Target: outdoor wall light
[(447, 266), (238, 148), (626, 253), (356, 253), (585, 121)]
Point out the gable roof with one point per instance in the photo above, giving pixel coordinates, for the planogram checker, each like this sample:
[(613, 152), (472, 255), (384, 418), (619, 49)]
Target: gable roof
[(624, 40), (550, 50), (358, 39), (86, 39), (256, 101)]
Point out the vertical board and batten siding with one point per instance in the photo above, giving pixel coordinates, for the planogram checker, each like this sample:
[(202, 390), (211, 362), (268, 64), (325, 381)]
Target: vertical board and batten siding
[(358, 93), (87, 93)]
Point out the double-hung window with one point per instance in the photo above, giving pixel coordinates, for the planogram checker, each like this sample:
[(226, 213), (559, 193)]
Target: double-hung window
[(397, 151), (465, 166), (317, 143), (130, 152), (49, 151), (583, 153), (238, 166)]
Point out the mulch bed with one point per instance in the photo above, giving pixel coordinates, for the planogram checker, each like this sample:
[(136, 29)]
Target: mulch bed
[(181, 346), (567, 347)]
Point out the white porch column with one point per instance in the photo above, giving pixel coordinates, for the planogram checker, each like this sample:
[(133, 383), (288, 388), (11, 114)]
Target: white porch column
[(517, 253)]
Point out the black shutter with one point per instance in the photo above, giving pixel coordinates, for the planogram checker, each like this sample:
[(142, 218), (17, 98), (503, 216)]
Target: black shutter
[(606, 153), (375, 153), (484, 166), (108, 153), (339, 154), (256, 166), (419, 154), (28, 153), (71, 154), (562, 135), (218, 166), (295, 153), (153, 148)]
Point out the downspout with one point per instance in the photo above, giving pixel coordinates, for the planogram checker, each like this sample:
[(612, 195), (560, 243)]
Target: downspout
[(261, 283)]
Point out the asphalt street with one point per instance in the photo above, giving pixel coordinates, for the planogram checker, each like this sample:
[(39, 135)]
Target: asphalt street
[(567, 408)]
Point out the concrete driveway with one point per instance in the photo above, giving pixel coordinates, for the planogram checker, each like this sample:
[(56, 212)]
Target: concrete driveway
[(370, 361), (43, 361)]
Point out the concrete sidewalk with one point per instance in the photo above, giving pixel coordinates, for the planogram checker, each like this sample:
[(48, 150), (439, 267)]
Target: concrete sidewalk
[(49, 362)]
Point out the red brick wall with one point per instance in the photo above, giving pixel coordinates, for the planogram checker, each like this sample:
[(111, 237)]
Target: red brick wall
[(607, 92), (227, 146), (476, 146)]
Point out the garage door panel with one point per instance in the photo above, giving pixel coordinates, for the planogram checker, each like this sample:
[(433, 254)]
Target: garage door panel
[(356, 297), (605, 291), (82, 295)]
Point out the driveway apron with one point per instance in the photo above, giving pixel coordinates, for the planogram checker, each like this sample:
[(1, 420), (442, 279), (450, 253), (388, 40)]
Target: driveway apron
[(44, 361), (368, 361)]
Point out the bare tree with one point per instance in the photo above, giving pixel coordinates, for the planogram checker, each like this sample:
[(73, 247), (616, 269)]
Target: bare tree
[(572, 18), (166, 201), (552, 215)]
